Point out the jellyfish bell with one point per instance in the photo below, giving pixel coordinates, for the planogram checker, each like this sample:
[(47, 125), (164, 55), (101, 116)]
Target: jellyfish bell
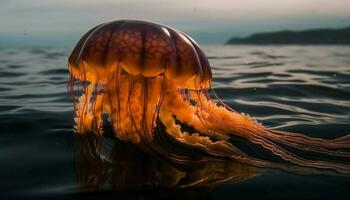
[(140, 49), (152, 84)]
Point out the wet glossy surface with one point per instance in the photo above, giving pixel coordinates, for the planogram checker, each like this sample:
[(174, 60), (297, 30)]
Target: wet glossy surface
[(301, 89)]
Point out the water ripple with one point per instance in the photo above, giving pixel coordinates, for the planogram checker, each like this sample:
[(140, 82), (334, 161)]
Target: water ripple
[(303, 89)]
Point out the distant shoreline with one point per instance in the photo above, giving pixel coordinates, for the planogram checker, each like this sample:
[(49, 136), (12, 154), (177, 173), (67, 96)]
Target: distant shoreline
[(306, 37)]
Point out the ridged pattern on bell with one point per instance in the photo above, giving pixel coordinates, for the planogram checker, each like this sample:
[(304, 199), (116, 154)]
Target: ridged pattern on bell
[(142, 48)]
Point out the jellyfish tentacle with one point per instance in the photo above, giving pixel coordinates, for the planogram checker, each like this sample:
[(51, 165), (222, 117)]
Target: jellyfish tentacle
[(86, 117), (259, 135), (255, 133), (218, 148), (134, 112), (310, 144), (316, 142)]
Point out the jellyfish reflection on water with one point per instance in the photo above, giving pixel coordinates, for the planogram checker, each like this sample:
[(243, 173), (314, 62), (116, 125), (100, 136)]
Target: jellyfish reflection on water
[(152, 84), (104, 163)]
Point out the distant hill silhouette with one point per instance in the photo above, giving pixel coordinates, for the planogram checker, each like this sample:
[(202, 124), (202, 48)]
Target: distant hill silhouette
[(314, 36)]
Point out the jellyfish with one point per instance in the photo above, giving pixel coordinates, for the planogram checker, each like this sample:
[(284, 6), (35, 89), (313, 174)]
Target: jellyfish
[(152, 84)]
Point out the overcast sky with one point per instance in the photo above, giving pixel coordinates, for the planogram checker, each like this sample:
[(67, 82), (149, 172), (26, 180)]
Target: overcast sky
[(45, 22)]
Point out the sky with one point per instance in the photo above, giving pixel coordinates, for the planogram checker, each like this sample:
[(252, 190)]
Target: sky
[(62, 22)]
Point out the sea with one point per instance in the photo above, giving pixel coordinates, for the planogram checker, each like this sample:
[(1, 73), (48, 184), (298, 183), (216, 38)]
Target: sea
[(303, 89)]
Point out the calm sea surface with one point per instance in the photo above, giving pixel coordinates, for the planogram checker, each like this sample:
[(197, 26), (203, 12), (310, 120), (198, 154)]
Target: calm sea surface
[(297, 88)]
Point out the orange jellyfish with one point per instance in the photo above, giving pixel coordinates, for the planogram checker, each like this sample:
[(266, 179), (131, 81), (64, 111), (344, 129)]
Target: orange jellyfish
[(152, 84)]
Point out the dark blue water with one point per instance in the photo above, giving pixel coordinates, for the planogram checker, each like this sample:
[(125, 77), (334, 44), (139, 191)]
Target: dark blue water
[(297, 88)]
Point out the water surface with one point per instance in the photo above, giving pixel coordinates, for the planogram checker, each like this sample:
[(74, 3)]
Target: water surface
[(296, 88)]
